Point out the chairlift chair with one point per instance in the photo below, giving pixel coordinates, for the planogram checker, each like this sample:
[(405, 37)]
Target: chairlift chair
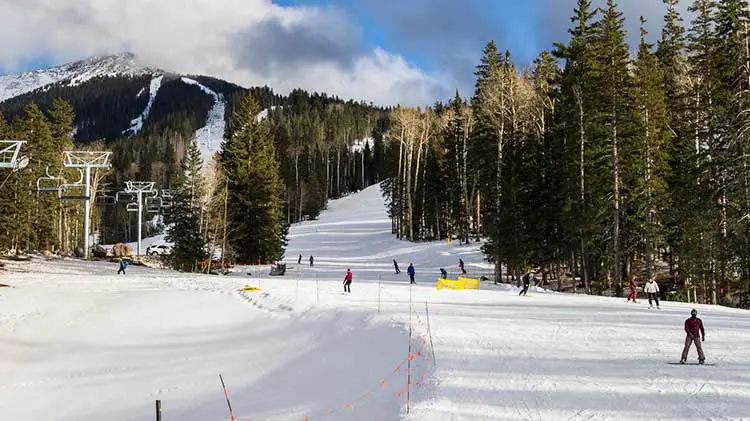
[(105, 198), (73, 191), (131, 207), (123, 197), (50, 183)]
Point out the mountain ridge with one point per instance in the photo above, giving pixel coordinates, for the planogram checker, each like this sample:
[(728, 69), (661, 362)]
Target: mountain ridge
[(75, 73)]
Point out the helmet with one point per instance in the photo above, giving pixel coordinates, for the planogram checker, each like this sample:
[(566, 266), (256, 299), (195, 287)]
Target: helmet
[(693, 312)]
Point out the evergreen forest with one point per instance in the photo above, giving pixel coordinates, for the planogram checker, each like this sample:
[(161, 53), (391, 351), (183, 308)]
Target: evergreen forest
[(598, 163)]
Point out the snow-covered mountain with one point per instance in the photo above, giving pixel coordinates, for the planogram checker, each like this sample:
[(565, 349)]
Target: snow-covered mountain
[(75, 73), (118, 96)]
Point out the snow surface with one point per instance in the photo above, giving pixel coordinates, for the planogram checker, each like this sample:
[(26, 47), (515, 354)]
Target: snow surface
[(210, 136), (137, 123), (264, 113), (73, 74), (359, 145), (78, 342)]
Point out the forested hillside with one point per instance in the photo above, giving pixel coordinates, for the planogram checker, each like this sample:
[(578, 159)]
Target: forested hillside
[(593, 162), (148, 121)]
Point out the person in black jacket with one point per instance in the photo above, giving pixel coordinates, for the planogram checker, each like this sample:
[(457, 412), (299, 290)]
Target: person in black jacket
[(526, 283), (311, 261), (299, 260), (395, 266)]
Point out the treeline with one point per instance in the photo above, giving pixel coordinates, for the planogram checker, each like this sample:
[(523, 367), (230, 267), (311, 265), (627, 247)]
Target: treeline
[(323, 148), (594, 162), (242, 206), (39, 221)]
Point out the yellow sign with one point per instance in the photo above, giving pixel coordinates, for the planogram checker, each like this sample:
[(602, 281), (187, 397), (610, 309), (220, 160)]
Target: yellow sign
[(250, 288)]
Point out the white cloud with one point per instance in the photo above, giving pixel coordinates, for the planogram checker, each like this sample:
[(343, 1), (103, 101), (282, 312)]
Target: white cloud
[(206, 37)]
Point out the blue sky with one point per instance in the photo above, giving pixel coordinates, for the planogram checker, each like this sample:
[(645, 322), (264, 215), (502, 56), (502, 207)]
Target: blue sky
[(385, 51)]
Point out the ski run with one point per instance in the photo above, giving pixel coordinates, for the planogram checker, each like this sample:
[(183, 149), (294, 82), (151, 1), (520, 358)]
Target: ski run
[(78, 342), (137, 123), (210, 136)]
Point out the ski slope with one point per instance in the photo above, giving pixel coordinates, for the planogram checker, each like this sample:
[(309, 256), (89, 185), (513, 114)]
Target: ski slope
[(210, 136), (78, 342), (137, 123)]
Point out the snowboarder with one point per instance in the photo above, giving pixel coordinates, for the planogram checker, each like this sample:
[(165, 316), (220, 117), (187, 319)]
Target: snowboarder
[(443, 274), (695, 334), (311, 261), (526, 283), (411, 273), (299, 260), (123, 266), (348, 281), (633, 290), (652, 289), (461, 266), (395, 266)]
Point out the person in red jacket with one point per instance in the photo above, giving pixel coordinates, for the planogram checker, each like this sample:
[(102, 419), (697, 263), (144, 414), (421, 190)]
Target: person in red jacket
[(633, 290), (348, 281), (695, 333)]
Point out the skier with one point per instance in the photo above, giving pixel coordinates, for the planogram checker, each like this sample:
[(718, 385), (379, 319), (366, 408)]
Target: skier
[(123, 266), (633, 290), (395, 266), (461, 266), (348, 281), (443, 274), (411, 273), (299, 260), (311, 261), (695, 333), (526, 283), (652, 289)]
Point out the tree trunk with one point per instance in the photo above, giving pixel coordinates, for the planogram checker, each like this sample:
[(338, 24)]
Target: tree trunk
[(582, 184)]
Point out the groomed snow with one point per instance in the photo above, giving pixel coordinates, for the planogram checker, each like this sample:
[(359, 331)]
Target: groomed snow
[(78, 342), (137, 123), (210, 136)]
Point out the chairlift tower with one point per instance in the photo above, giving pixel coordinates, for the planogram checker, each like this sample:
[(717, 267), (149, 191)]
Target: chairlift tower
[(138, 188), (9, 151), (86, 160)]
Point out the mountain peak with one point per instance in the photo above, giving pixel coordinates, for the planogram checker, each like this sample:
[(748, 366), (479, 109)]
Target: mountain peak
[(75, 73)]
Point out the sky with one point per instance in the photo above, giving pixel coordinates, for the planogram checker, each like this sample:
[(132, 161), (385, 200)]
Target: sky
[(411, 52)]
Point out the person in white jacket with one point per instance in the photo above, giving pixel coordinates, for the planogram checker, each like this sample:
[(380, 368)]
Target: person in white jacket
[(652, 289)]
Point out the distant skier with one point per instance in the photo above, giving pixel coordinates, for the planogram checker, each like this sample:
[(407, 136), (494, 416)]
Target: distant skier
[(526, 283), (695, 334), (633, 290), (299, 260), (123, 266), (395, 266), (461, 266), (311, 261), (411, 273), (443, 274), (652, 289), (348, 281)]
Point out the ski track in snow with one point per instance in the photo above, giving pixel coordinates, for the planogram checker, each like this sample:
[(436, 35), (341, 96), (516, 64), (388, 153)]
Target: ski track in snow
[(210, 136), (78, 342), (137, 123)]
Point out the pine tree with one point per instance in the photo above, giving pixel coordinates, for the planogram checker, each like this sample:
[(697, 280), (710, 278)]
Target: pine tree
[(730, 152), (614, 126), (185, 231), (37, 213), (649, 194), (257, 230), (577, 111)]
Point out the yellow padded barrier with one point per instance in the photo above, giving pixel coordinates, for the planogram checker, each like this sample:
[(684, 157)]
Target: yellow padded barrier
[(469, 283), (460, 283)]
